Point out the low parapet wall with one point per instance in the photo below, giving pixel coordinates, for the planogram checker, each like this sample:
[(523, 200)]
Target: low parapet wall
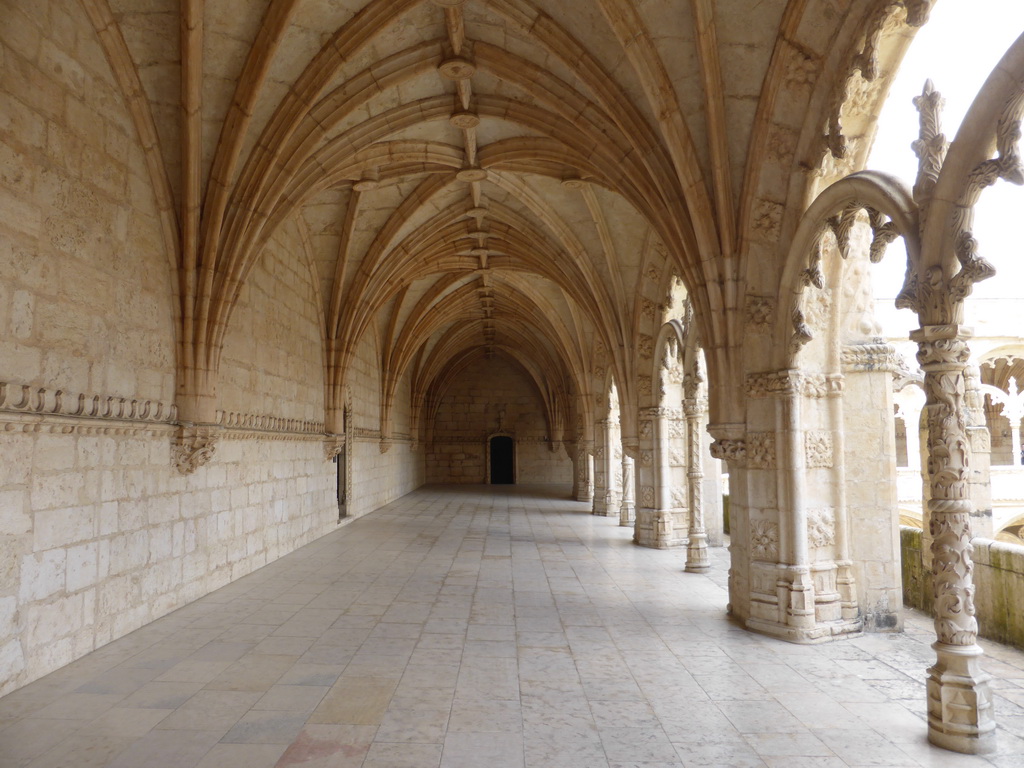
[(998, 580)]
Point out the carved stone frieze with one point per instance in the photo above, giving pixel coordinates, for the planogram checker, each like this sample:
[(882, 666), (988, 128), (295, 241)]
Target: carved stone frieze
[(871, 357), (821, 527), (761, 450), (649, 309), (764, 540), (731, 450), (818, 449), (789, 382), (647, 458), (646, 429), (193, 446), (644, 385)]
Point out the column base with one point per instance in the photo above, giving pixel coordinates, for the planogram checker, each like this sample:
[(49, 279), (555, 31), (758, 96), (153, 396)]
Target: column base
[(960, 715), (697, 554), (627, 515), (817, 633)]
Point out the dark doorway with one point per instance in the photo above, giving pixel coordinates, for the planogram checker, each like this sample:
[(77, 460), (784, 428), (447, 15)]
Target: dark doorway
[(502, 469)]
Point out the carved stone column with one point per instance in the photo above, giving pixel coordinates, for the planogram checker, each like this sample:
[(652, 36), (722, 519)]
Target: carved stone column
[(654, 515), (697, 544), (601, 476), (960, 714), (584, 471), (663, 477), (612, 469), (627, 507), (980, 441), (730, 446)]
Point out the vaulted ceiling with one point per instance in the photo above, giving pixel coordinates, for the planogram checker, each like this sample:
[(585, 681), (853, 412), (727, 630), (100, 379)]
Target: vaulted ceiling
[(521, 177)]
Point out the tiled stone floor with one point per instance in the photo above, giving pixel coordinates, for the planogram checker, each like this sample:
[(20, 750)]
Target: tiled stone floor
[(460, 627)]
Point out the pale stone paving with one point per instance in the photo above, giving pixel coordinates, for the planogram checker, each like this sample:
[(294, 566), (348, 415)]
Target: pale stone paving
[(470, 627)]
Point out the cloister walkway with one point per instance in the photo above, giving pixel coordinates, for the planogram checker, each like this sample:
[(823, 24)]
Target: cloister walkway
[(486, 627)]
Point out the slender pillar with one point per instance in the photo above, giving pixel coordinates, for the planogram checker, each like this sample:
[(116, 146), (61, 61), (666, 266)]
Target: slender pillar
[(601, 478), (960, 716), (663, 517), (627, 508), (697, 545), (845, 582), (584, 471), (799, 607)]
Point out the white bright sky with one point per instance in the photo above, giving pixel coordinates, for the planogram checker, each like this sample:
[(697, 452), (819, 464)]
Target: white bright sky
[(957, 49)]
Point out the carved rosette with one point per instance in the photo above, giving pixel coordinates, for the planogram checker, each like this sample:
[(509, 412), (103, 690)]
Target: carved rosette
[(764, 540), (761, 450), (193, 446), (818, 449)]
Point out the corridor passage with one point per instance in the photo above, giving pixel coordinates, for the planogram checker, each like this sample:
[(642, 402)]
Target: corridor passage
[(484, 627)]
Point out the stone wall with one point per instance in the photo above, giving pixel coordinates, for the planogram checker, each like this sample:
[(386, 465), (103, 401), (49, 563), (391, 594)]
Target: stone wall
[(99, 533), (998, 580), (469, 414)]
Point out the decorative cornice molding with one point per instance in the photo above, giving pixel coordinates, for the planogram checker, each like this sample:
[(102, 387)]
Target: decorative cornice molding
[(23, 398), (263, 423)]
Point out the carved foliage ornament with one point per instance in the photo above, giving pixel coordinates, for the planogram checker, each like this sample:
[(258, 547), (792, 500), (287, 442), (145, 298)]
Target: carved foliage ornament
[(761, 450), (733, 451), (780, 383), (193, 447), (821, 527)]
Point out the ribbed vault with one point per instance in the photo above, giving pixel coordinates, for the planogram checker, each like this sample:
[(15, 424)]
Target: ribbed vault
[(483, 176)]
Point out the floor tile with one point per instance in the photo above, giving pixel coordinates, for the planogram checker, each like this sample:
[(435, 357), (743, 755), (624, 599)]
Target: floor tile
[(478, 627)]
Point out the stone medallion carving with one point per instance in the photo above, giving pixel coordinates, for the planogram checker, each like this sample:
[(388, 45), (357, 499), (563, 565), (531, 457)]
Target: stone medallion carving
[(759, 312), (764, 540), (647, 497), (818, 449)]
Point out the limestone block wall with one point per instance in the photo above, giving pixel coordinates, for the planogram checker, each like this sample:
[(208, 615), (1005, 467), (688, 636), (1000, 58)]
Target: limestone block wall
[(469, 413), (99, 533), (272, 362), (377, 477), (998, 580)]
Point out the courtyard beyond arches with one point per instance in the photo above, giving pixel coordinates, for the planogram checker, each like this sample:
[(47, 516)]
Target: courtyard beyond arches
[(482, 625)]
